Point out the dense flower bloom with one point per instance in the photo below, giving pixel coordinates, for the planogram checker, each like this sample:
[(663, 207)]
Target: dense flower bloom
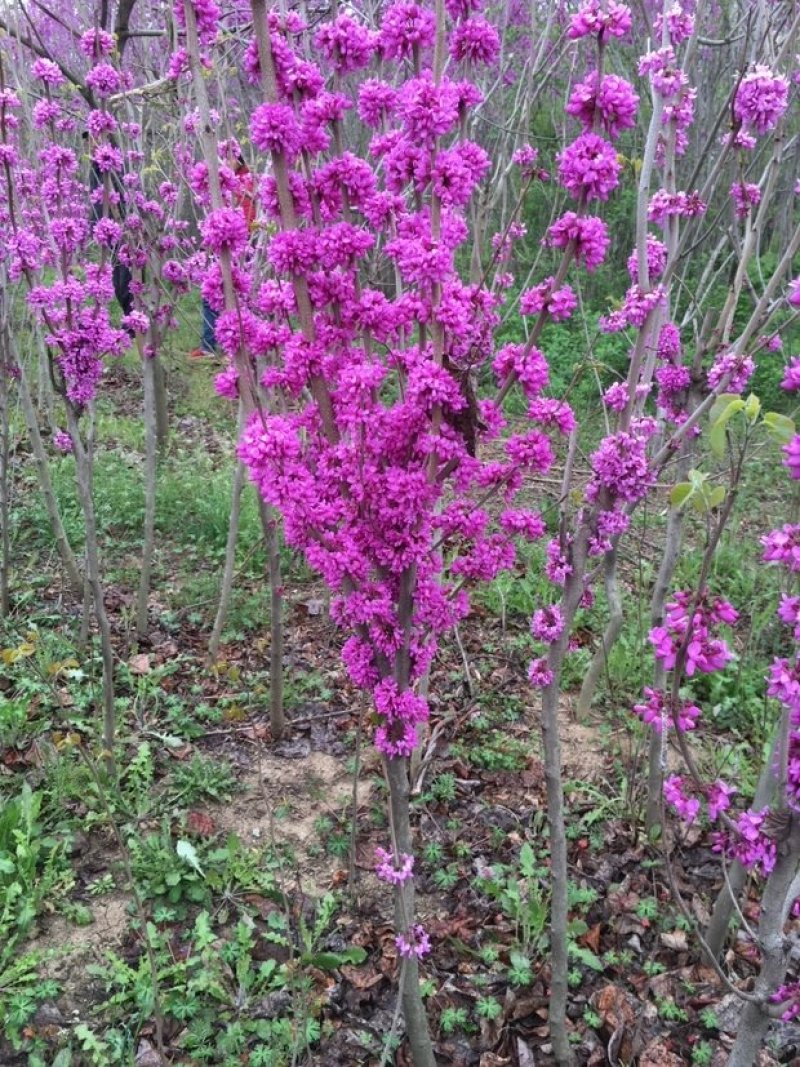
[(680, 24), (612, 19), (793, 295), (45, 70), (589, 168), (748, 843), (539, 673), (783, 546), (718, 797), (476, 40), (761, 99), (406, 25), (620, 467), (656, 259), (655, 712), (589, 234), (393, 870), (62, 441), (274, 128), (96, 43), (663, 205), (547, 624), (346, 43), (745, 195), (666, 75), (558, 303), (614, 103), (206, 14), (703, 653), (791, 375), (104, 79), (225, 230), (737, 369), (414, 943), (687, 807), (792, 457)]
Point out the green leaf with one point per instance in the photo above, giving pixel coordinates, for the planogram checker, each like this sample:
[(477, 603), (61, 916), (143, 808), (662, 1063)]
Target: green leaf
[(188, 853), (716, 496), (752, 408), (723, 410), (780, 427), (527, 860), (725, 407), (329, 961), (717, 438), (680, 493)]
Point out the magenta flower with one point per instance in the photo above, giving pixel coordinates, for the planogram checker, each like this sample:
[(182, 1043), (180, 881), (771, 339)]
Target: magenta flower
[(686, 807), (588, 233), (593, 18), (547, 624), (792, 457), (745, 195), (393, 869), (62, 441), (346, 43), (614, 102), (589, 168), (475, 40), (413, 943), (274, 128), (406, 25), (761, 99), (539, 673)]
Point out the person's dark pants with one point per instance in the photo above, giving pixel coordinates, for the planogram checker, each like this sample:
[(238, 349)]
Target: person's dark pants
[(121, 276), (209, 341)]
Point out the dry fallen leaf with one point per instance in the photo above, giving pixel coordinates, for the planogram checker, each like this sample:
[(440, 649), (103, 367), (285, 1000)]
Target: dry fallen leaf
[(675, 939), (140, 664)]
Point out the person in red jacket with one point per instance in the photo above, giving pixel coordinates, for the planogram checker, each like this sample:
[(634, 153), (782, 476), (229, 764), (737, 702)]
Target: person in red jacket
[(245, 201)]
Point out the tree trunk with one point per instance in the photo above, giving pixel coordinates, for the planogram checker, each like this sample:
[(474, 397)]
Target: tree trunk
[(610, 634), (5, 542), (724, 905), (775, 904), (559, 961), (149, 374), (68, 560), (226, 587), (161, 402), (83, 468), (269, 524), (414, 1014)]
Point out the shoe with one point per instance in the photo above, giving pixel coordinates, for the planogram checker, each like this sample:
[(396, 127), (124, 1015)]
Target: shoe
[(200, 353)]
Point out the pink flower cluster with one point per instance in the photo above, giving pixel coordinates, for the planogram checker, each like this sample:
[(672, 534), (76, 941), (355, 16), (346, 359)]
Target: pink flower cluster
[(594, 18), (587, 235), (393, 869), (704, 653), (761, 99), (656, 712)]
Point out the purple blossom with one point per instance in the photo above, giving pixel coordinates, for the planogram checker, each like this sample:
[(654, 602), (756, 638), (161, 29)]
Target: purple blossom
[(761, 99), (475, 40), (393, 869), (413, 943), (686, 807), (588, 234), (614, 103), (593, 18), (589, 167), (547, 624), (539, 673)]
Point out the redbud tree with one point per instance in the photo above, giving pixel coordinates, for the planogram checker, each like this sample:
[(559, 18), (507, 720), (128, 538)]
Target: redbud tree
[(356, 337)]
